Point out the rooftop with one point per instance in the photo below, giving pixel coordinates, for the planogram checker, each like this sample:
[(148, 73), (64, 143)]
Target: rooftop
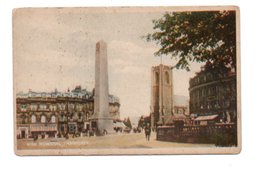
[(78, 92)]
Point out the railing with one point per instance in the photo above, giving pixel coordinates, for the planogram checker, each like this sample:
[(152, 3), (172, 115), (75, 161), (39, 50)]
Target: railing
[(43, 127), (219, 134)]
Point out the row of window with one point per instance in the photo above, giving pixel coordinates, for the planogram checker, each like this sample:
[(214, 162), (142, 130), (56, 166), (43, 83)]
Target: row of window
[(215, 104), (166, 77), (34, 107), (206, 77), (43, 119), (207, 91)]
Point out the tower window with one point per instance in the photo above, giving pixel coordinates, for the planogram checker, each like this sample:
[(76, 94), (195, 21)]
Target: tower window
[(167, 77), (156, 77)]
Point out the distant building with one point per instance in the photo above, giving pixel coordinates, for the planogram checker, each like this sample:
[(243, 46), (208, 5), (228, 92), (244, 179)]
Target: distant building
[(181, 107), (213, 92), (55, 113), (163, 109)]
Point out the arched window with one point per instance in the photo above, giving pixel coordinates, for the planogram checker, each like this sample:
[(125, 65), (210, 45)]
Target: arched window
[(156, 77), (22, 118), (167, 77), (43, 106), (53, 119), (79, 115), (43, 119), (33, 119)]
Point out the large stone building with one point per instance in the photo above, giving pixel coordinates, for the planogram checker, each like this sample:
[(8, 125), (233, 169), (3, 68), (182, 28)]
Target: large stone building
[(163, 109), (213, 92), (56, 114)]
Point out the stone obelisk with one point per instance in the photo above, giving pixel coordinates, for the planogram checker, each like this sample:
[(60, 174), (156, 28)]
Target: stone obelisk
[(101, 104)]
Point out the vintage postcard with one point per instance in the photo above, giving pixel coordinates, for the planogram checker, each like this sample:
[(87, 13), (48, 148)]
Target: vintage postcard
[(126, 80)]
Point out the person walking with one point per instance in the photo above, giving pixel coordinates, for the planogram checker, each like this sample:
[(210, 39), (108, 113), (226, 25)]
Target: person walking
[(147, 131)]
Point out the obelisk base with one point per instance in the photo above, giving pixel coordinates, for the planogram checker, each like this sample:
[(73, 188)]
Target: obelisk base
[(103, 126)]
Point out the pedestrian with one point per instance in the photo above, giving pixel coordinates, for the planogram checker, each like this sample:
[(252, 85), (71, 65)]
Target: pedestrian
[(147, 131), (35, 138), (91, 132)]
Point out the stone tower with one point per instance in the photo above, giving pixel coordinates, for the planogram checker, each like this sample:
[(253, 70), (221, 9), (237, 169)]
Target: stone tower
[(101, 119), (161, 95)]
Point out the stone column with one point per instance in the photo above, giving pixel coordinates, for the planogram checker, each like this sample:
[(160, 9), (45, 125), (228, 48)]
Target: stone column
[(101, 102)]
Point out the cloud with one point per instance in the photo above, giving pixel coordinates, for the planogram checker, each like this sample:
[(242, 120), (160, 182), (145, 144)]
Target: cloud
[(133, 70), (126, 57), (125, 66), (132, 49)]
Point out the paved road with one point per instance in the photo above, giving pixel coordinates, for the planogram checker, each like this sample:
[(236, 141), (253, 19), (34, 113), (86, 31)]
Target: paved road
[(131, 140)]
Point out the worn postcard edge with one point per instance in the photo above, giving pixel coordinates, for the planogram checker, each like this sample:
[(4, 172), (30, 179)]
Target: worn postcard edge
[(153, 151)]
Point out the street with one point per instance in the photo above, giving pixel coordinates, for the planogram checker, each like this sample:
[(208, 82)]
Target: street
[(131, 140)]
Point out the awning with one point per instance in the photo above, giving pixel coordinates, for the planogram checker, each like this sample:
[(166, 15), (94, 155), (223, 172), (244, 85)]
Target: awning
[(205, 118), (119, 124)]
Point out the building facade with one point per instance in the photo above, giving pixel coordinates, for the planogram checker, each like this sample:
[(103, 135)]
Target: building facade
[(213, 92), (56, 114)]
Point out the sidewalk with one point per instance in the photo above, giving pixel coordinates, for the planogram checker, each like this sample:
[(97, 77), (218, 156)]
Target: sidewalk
[(131, 140)]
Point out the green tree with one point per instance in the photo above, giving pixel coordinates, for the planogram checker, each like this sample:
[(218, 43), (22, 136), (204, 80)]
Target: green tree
[(197, 37)]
